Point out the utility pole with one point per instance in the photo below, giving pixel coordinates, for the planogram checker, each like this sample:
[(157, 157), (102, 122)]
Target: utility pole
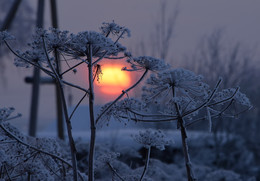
[(60, 126), (36, 80)]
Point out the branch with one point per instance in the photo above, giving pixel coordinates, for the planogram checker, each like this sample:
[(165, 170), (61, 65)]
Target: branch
[(75, 86), (152, 115), (150, 120), (225, 100), (77, 105), (205, 103), (71, 68), (29, 62)]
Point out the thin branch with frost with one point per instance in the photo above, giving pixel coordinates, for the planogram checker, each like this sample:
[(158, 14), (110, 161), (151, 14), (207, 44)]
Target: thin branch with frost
[(225, 100), (75, 86), (29, 62), (149, 120), (114, 171), (78, 104), (147, 159), (73, 67), (152, 115), (206, 102)]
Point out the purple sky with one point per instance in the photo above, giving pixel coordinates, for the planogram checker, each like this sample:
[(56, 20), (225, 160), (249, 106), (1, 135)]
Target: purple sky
[(239, 18)]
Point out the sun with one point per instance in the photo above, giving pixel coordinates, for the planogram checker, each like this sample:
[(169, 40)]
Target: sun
[(113, 80)]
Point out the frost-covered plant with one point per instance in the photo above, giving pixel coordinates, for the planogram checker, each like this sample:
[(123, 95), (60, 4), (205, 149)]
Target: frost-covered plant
[(114, 29), (186, 99), (151, 138), (182, 95), (87, 47), (146, 63), (27, 158)]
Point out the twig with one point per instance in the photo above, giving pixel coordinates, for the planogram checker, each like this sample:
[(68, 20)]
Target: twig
[(148, 153), (114, 171), (77, 106), (205, 103), (151, 120), (73, 67), (225, 100), (152, 115), (75, 86), (36, 65)]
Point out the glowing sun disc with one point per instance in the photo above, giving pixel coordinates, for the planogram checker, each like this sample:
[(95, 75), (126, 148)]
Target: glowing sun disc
[(113, 79)]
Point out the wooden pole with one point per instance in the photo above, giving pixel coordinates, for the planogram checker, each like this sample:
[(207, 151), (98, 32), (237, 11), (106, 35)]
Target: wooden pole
[(36, 78), (60, 122), (10, 16)]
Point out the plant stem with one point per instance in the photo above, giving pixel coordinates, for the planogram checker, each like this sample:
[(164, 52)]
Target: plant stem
[(92, 119), (148, 153), (184, 137), (66, 114), (69, 130), (114, 171)]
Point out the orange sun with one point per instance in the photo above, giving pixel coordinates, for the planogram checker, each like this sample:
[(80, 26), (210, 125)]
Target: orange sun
[(113, 80)]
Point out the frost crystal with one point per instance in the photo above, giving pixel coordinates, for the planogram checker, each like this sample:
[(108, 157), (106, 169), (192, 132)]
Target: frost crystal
[(114, 29), (240, 98), (4, 35), (146, 63), (5, 113), (151, 137)]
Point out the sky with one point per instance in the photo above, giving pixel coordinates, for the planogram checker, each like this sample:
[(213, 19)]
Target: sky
[(239, 19)]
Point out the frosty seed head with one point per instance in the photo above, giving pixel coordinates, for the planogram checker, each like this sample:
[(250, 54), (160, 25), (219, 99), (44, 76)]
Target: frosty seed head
[(79, 45), (114, 29), (5, 113), (149, 138), (146, 63), (239, 97), (4, 36), (173, 81), (106, 158)]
